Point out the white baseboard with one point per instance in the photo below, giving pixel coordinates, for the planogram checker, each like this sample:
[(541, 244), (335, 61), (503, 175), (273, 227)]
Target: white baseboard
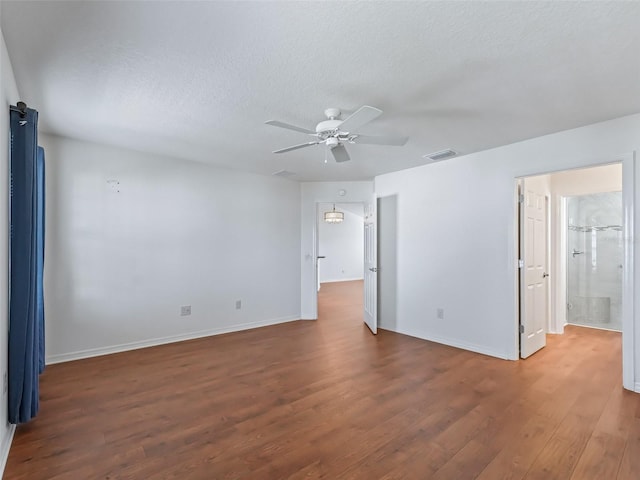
[(472, 347), (95, 352), (341, 280), (5, 447), (637, 387)]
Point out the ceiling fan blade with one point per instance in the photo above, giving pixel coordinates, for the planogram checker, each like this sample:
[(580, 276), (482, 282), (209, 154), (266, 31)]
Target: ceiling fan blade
[(295, 147), (361, 116), (369, 140), (276, 123), (340, 153)]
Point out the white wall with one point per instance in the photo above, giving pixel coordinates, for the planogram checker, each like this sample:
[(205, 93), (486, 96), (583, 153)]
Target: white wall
[(122, 258), (9, 97), (342, 244), (456, 231), (313, 193)]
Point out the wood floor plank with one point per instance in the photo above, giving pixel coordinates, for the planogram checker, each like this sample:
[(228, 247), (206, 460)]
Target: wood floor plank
[(327, 399), (515, 459), (601, 458), (630, 463), (468, 462)]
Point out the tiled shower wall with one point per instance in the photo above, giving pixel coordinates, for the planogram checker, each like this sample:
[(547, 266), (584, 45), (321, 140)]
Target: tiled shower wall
[(595, 255)]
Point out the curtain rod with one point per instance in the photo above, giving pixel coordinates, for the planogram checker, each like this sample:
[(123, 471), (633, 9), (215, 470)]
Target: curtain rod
[(21, 108)]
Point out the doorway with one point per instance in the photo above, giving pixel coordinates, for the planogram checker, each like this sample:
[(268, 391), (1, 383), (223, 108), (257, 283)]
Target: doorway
[(584, 211), (340, 247)]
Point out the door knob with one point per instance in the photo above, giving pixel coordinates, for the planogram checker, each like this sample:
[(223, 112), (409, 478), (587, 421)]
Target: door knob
[(321, 256), (545, 275), (373, 269), (576, 252)]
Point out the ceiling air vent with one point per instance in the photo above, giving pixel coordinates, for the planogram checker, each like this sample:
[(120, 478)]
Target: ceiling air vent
[(441, 155), (283, 174)]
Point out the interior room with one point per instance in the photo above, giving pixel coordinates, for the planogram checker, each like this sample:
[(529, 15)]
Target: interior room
[(165, 307), (576, 199), (340, 242)]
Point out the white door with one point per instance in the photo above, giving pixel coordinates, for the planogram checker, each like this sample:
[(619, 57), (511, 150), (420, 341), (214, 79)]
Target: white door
[(533, 276), (371, 267)]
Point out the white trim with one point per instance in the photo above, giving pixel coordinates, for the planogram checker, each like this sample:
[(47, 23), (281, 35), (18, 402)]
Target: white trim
[(6, 447), (95, 352), (580, 325), (514, 257), (548, 216), (637, 389), (563, 260), (629, 172), (472, 347), (343, 280)]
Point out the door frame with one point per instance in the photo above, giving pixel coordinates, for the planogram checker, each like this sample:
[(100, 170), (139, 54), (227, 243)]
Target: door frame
[(629, 171)]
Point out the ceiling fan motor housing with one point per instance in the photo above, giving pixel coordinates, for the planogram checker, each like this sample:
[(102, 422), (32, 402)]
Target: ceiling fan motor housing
[(328, 126)]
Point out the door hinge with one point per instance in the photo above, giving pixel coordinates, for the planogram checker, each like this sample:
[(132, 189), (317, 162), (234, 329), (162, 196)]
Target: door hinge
[(521, 198), (520, 263), (521, 328)]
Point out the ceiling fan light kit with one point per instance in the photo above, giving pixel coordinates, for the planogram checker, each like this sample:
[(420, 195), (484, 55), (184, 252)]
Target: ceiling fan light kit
[(334, 133), (332, 142)]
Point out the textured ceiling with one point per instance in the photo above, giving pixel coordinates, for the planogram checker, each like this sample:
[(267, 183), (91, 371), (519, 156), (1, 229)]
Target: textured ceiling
[(198, 80)]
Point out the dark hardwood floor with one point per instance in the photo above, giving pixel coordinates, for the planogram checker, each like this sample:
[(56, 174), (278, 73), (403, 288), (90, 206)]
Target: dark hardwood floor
[(327, 399)]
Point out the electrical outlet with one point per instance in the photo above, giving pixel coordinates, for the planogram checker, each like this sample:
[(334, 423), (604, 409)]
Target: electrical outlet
[(238, 304), (440, 313), (185, 310)]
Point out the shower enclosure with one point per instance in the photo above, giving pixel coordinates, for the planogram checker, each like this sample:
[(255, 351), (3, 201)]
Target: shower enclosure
[(594, 260)]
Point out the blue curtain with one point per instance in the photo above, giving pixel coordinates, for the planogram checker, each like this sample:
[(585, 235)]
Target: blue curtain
[(26, 304)]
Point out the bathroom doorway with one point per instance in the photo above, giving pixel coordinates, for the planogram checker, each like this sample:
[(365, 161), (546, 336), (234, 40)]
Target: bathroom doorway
[(582, 273)]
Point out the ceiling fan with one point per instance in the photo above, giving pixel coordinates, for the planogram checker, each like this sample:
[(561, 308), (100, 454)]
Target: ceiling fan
[(334, 132)]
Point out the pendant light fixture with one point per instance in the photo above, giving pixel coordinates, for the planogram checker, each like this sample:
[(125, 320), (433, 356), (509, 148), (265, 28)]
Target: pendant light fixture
[(333, 216)]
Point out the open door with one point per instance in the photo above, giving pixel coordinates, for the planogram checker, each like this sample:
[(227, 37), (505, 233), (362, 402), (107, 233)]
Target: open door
[(533, 276), (371, 267)]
